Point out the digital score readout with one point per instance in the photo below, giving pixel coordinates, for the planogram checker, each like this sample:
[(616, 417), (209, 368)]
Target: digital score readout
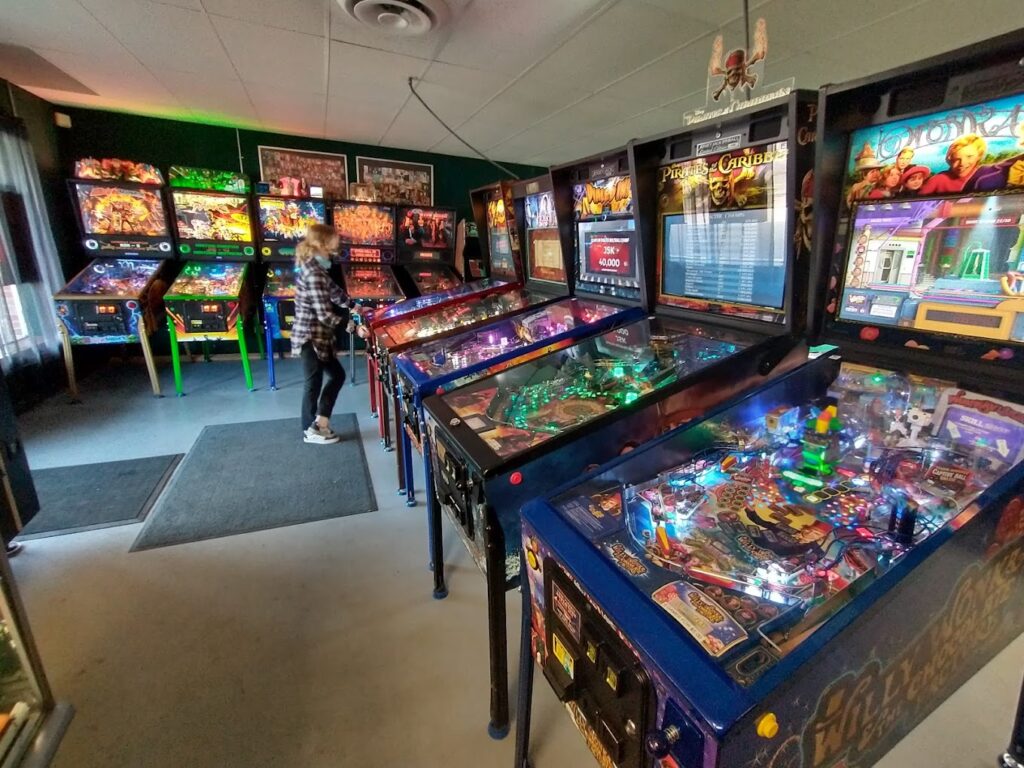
[(610, 253)]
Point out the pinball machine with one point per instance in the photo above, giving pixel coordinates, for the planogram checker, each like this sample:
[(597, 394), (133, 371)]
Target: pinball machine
[(282, 224), (426, 250), (801, 577), (499, 245), (118, 297), (508, 276), (212, 298), (367, 259), (725, 280), (447, 362)]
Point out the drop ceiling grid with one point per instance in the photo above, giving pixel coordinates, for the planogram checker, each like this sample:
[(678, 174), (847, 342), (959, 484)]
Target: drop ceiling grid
[(524, 79)]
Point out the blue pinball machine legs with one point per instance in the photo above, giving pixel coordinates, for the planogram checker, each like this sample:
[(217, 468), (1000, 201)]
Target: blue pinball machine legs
[(524, 704), (268, 333), (434, 538)]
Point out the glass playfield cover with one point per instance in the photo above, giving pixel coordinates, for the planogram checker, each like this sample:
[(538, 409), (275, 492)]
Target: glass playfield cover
[(280, 281), (772, 521), (445, 356), (370, 282), (444, 319), (527, 405), (423, 302), (125, 278), (432, 278), (202, 279)]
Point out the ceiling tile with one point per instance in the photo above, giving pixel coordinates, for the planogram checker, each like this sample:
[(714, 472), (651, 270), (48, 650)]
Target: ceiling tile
[(621, 40), (376, 69), (195, 5), (219, 99), (274, 57), (288, 110), (53, 24), (710, 15), (414, 128), (163, 35), (346, 29), (113, 74), (456, 93), (296, 15), (678, 73), (510, 35)]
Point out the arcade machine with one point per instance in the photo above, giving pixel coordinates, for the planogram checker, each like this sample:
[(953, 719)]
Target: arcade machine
[(426, 250), (283, 223), (212, 298), (726, 282), (487, 278), (117, 298), (440, 365), (499, 244), (801, 577), (367, 253)]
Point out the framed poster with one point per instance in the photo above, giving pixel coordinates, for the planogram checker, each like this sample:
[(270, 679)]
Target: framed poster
[(294, 171), (395, 181)]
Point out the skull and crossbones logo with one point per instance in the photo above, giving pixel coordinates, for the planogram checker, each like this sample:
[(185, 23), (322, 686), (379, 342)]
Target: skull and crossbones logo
[(736, 71)]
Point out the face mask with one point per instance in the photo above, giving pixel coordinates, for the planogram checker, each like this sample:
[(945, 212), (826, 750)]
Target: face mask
[(323, 261)]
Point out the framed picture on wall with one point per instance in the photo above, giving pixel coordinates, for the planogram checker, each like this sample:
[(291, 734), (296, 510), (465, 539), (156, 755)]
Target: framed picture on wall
[(364, 193), (294, 171), (395, 181)]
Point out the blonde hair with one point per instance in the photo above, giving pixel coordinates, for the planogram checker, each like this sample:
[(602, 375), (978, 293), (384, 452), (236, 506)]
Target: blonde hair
[(318, 241), (968, 140)]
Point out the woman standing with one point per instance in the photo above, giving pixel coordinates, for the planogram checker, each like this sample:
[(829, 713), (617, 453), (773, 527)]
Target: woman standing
[(313, 332)]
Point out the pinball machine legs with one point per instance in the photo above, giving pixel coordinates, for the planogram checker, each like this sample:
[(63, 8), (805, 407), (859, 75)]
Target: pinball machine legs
[(147, 354), (434, 537), (371, 379), (352, 356), (497, 631), (1014, 755), (269, 335), (69, 361), (172, 334), (243, 349), (524, 703), (399, 442), (410, 483)]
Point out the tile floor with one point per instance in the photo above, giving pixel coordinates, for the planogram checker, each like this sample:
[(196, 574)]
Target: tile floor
[(314, 646)]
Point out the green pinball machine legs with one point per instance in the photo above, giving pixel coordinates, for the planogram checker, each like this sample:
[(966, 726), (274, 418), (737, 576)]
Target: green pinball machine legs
[(243, 349), (172, 333)]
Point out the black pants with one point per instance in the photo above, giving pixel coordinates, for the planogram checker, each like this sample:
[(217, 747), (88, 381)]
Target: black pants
[(318, 398)]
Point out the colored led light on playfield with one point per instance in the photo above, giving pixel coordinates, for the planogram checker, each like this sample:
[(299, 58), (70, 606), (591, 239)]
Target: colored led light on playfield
[(516, 478)]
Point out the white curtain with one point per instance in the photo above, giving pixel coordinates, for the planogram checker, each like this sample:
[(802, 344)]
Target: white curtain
[(28, 325)]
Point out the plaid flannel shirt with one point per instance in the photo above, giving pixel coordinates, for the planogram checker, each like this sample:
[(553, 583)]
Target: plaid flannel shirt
[(315, 320)]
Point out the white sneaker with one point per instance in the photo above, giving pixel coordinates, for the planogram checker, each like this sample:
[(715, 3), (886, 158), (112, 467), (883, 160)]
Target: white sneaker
[(320, 435)]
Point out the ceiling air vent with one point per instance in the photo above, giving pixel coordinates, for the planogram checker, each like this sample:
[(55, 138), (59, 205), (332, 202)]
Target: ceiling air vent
[(403, 18)]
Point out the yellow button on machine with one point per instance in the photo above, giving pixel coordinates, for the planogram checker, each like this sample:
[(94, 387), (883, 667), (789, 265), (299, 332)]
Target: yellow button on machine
[(768, 726), (612, 678)]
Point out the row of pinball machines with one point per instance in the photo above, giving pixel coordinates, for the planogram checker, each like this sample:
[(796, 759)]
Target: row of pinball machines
[(133, 228), (737, 548), (805, 566)]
